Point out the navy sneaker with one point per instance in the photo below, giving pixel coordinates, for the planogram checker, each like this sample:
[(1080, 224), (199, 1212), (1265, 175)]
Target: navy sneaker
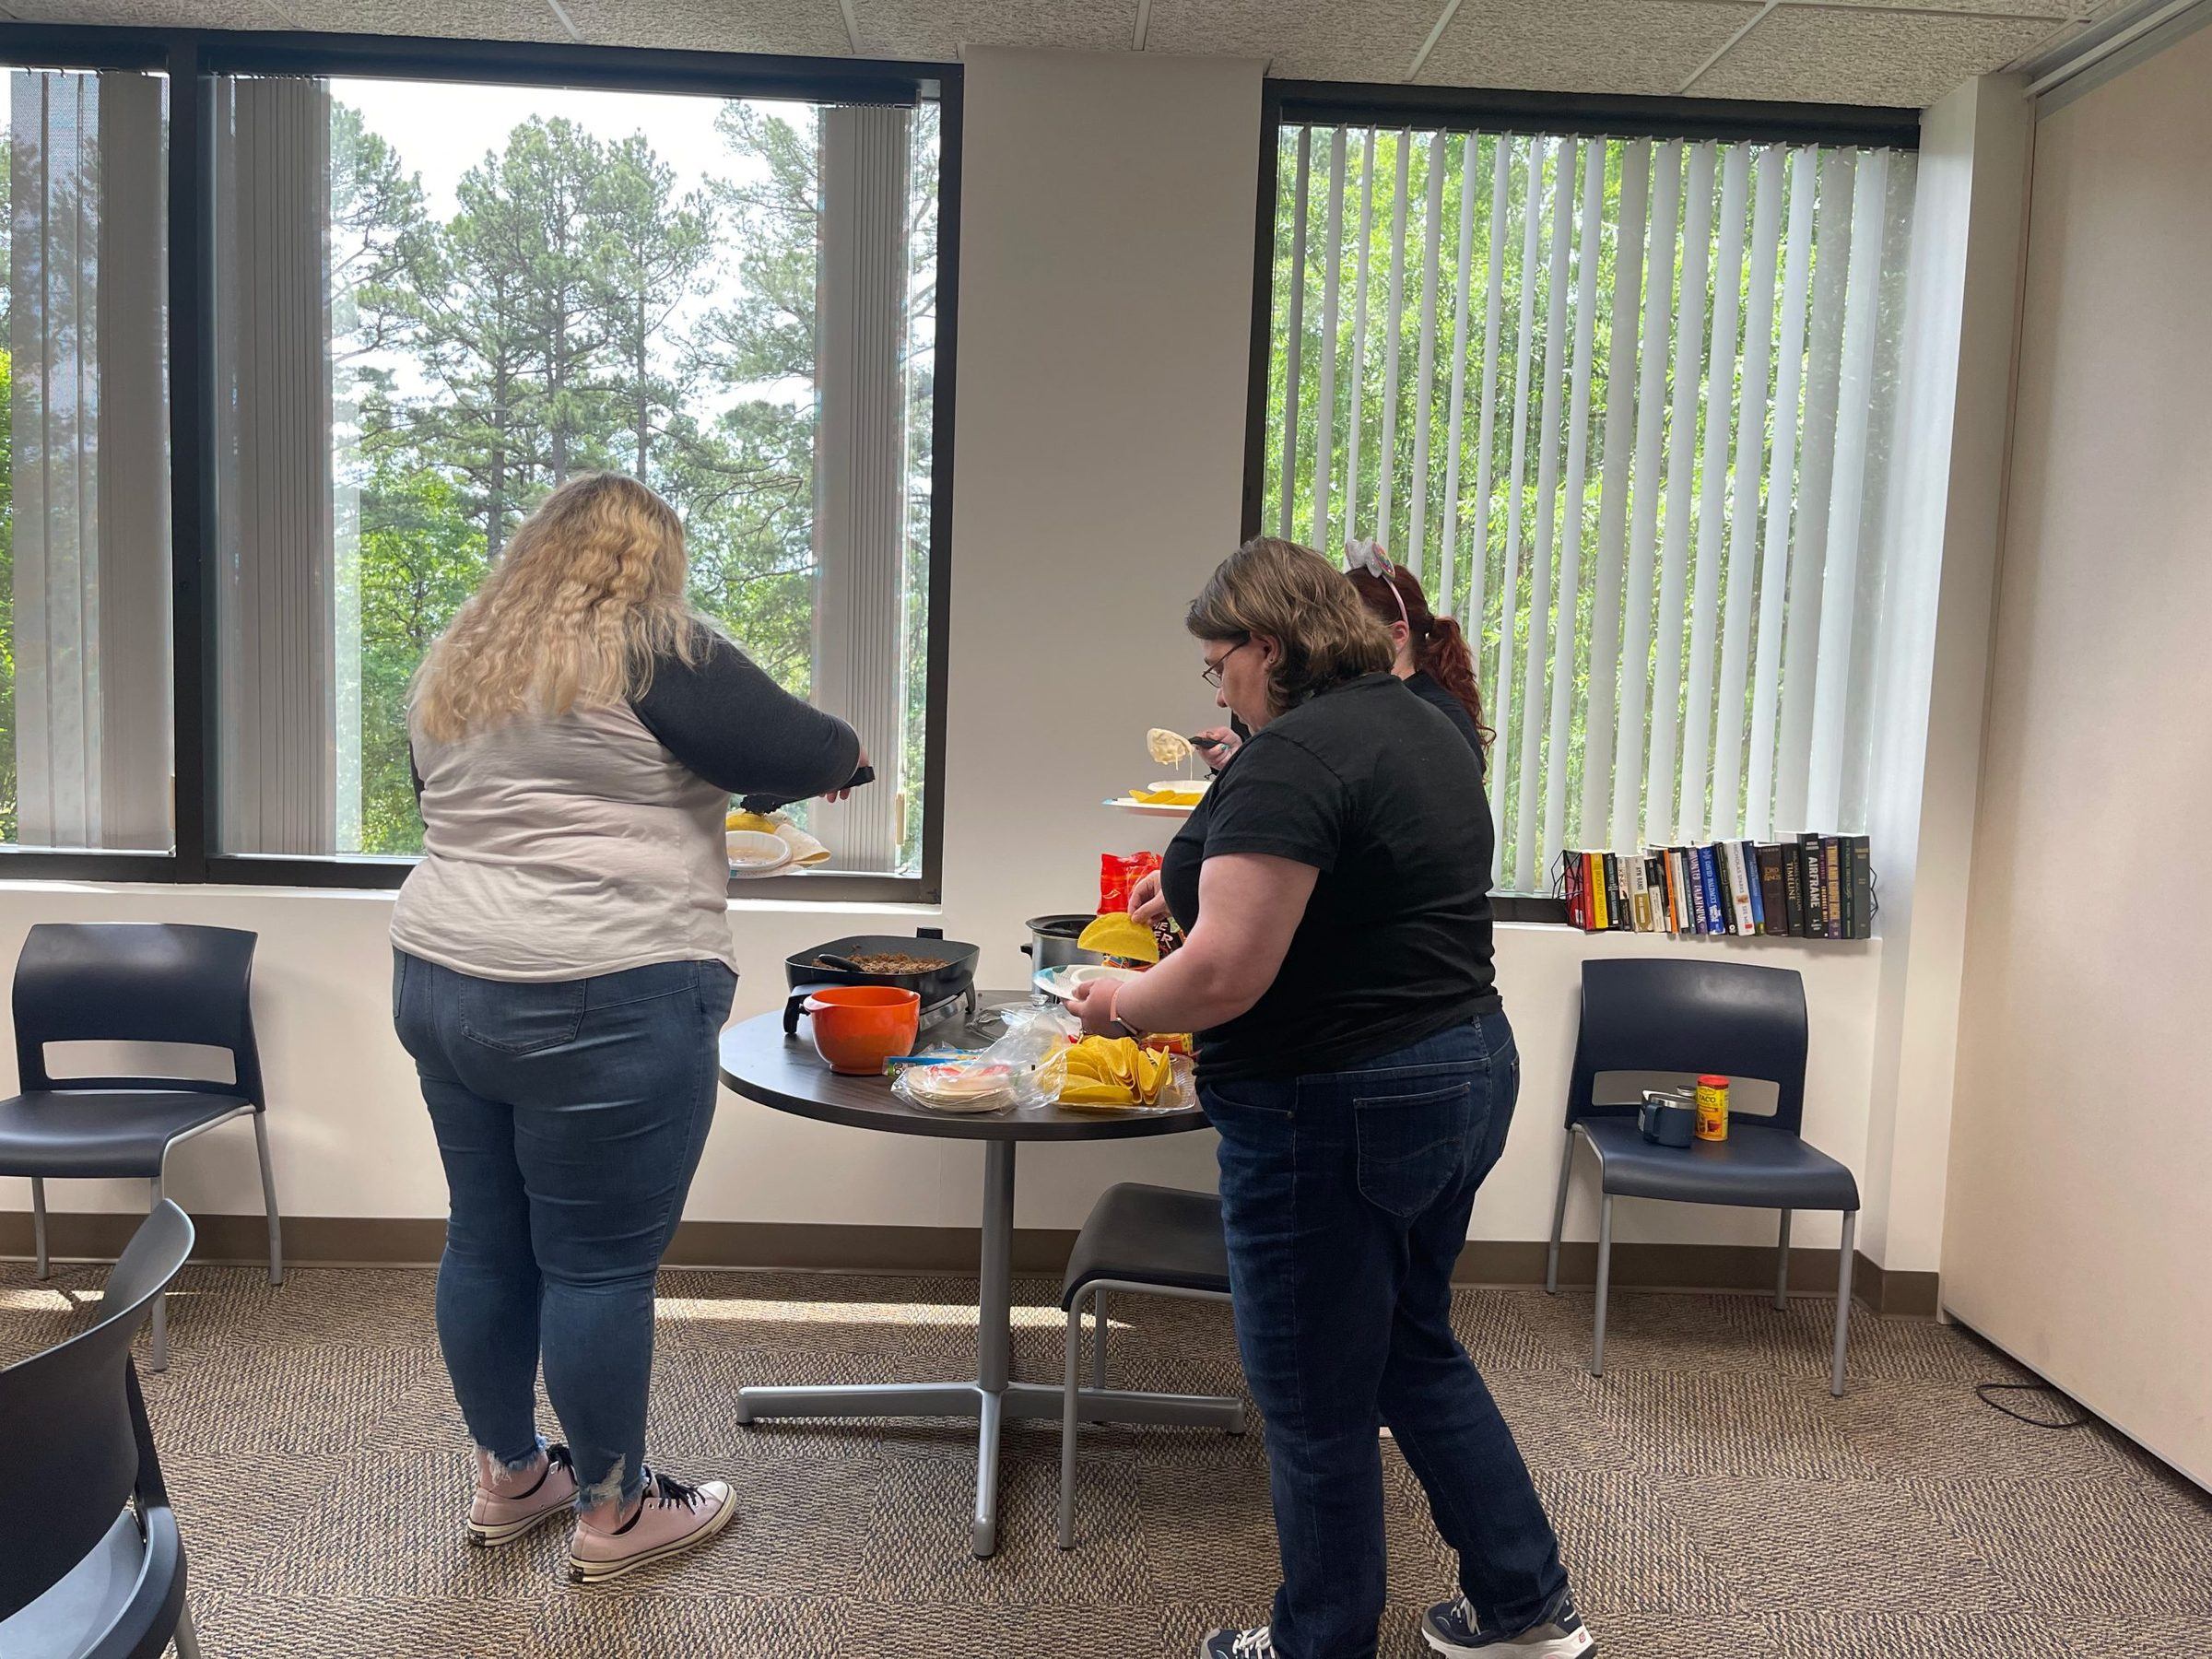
[(1237, 1645), (1454, 1631)]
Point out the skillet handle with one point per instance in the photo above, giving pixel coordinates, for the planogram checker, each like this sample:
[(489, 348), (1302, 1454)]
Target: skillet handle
[(796, 1005)]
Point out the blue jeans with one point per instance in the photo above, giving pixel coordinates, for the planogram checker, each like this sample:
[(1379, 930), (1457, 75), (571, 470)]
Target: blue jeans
[(1345, 1196), (571, 1116)]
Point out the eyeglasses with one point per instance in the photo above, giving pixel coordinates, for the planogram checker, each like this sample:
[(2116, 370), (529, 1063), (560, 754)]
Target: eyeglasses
[(1211, 674)]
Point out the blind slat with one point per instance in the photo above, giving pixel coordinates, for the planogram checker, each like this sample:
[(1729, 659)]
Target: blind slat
[(1508, 581), (1613, 496), (1332, 266), (1720, 396), (1417, 535), (1661, 249), (1295, 343), (1774, 559), (1448, 585), (1743, 512), (1386, 469), (1362, 259), (1478, 544), (1565, 630), (1538, 651)]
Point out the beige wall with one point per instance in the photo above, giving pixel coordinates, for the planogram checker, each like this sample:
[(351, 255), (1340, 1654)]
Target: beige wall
[(1106, 278), (2078, 1226)]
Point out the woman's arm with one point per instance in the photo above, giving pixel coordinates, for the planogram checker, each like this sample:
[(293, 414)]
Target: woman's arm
[(1249, 905), (722, 717)]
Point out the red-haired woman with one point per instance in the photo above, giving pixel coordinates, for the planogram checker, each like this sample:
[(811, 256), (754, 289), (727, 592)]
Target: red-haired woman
[(1433, 655)]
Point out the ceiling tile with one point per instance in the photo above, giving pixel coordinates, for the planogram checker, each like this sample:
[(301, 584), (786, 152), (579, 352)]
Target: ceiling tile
[(1872, 57), (803, 28), (1302, 39), (2053, 9), (456, 19), (1622, 46), (148, 14), (938, 28)]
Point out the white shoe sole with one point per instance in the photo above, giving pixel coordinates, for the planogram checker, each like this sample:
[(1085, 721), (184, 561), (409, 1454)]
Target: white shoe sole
[(499, 1534), (1581, 1645), (598, 1573)]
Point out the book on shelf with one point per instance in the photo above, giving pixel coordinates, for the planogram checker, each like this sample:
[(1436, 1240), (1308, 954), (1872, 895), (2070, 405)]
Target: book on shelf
[(1808, 885)]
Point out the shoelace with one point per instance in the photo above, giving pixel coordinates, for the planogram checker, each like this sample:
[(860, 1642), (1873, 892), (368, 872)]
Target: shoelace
[(666, 1489), (1253, 1644)]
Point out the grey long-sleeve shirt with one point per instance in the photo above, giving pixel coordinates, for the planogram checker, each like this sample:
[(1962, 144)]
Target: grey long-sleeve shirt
[(592, 843)]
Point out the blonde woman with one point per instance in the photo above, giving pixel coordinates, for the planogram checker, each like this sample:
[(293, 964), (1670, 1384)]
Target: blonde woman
[(563, 964), (1354, 1056)]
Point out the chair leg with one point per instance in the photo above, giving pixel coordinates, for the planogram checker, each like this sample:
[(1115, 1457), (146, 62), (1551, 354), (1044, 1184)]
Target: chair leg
[(188, 1634), (1850, 1225), (1097, 1339), (1782, 1267), (1558, 1218), (1605, 1281), (1067, 1425), (161, 1332), (268, 1199), (37, 1225)]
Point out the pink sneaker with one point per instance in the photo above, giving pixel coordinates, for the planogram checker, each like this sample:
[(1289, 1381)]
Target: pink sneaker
[(498, 1517), (670, 1518)]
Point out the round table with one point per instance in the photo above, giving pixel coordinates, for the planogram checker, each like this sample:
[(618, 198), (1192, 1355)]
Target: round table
[(762, 1063)]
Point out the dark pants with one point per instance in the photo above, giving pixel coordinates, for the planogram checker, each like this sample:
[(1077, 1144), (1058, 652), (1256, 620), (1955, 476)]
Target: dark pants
[(1345, 1197), (571, 1116)]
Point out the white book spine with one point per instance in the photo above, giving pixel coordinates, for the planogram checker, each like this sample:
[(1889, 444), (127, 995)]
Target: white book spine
[(1739, 887)]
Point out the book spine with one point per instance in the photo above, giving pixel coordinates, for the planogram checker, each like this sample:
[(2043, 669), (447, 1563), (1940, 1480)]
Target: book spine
[(1593, 886), (1758, 889), (1739, 888), (1862, 887), (1656, 878), (1640, 894), (1624, 907), (1672, 876), (1693, 887), (1831, 872), (1816, 888), (1792, 889), (1709, 874)]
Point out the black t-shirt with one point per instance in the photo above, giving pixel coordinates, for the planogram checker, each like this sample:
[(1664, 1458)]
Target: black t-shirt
[(1431, 689), (1380, 794)]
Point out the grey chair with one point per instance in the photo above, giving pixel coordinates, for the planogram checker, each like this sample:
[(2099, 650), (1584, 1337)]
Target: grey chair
[(1160, 1240), (91, 1563), (131, 983), (1740, 1021)]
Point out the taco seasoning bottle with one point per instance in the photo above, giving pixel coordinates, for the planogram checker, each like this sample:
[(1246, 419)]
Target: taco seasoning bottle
[(1713, 1108)]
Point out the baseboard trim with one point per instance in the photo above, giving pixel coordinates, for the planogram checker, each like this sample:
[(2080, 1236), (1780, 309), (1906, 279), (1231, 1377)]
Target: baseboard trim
[(388, 1242)]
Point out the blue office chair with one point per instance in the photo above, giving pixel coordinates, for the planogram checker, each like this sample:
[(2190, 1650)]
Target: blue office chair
[(90, 1561), (130, 982), (1667, 1014)]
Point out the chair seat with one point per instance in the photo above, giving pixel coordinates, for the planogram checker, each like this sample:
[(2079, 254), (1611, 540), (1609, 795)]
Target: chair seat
[(1150, 1235), (84, 1606), (1757, 1165), (72, 1134)]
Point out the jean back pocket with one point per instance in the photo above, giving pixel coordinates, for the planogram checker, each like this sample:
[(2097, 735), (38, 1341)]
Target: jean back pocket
[(1411, 1145), (520, 1017)]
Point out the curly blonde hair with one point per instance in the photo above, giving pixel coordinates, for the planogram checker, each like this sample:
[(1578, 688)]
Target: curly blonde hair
[(1300, 601), (586, 594)]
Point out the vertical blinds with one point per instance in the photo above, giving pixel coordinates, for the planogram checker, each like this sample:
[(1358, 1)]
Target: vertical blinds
[(1624, 406)]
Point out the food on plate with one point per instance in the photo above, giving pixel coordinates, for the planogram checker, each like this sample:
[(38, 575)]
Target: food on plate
[(806, 852), (1109, 1071), (1119, 934), (888, 961), (1169, 748), (1169, 794)]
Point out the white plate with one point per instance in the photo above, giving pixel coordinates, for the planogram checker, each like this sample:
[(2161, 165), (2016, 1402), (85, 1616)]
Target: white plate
[(1201, 784), (1149, 808), (1062, 982), (756, 852)]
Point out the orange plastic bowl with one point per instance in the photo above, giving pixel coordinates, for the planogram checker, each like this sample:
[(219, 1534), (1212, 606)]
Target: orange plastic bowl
[(857, 1028)]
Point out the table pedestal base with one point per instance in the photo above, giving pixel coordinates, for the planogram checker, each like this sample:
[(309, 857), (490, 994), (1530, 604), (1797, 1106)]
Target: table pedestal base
[(993, 1395)]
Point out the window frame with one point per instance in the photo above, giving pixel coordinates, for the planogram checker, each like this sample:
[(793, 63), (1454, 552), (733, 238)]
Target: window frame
[(1480, 109), (192, 59)]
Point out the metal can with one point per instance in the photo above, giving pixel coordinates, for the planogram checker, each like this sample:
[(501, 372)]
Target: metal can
[(1713, 1108)]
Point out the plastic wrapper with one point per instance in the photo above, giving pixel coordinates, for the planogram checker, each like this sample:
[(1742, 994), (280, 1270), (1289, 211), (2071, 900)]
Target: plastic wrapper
[(1177, 1088), (997, 1078)]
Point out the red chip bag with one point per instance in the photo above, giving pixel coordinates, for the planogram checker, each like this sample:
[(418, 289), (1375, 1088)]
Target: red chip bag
[(1120, 872)]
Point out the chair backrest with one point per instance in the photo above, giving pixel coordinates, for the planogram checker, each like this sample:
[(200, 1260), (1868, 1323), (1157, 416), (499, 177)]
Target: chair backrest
[(73, 1457), (1661, 1014), (161, 982)]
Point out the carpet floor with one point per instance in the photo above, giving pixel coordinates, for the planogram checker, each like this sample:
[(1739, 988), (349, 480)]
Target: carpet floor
[(1714, 1502)]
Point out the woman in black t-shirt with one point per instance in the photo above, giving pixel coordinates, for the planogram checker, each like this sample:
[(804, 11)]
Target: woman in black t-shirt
[(1430, 652), (1354, 1057)]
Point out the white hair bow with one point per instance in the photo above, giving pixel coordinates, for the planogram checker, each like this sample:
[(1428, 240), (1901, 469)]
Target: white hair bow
[(1367, 556)]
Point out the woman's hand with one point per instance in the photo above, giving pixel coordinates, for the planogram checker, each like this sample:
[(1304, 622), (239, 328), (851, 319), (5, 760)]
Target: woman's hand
[(1093, 1005), (1225, 743), (838, 794), (1146, 904)]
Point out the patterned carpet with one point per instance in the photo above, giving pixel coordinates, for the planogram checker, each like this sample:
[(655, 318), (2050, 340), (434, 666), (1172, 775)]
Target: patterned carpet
[(1713, 1500)]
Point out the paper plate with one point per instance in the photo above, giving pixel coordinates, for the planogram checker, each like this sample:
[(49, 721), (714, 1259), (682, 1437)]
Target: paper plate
[(755, 853), (1062, 982)]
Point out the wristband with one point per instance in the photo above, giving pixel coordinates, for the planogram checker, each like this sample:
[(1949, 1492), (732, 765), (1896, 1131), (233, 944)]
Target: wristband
[(1113, 1014)]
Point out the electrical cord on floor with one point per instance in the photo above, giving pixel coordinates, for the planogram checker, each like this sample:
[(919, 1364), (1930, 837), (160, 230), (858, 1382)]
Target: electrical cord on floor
[(1988, 1391)]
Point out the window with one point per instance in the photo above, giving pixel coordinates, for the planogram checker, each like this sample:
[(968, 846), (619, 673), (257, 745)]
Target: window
[(435, 301), (84, 462), (287, 358), (1625, 404)]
